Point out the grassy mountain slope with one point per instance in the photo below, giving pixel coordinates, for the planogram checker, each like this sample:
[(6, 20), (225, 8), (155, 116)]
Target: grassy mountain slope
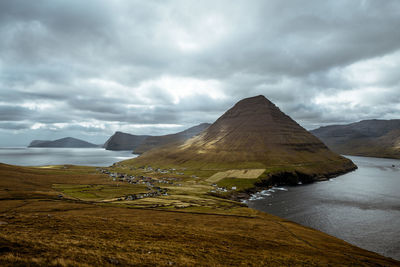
[(253, 134)]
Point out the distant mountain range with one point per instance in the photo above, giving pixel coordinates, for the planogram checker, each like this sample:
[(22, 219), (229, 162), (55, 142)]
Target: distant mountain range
[(371, 138), (67, 142), (252, 134), (142, 143)]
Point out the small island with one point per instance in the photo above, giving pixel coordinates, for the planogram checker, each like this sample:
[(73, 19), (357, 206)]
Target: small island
[(67, 142)]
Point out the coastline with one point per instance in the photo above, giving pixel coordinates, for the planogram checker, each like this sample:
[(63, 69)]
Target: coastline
[(356, 207), (284, 178)]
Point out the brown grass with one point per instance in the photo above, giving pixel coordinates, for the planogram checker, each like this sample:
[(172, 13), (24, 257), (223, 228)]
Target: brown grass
[(43, 230), (59, 233)]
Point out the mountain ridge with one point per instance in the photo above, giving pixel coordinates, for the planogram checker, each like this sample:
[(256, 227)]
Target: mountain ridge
[(139, 144), (371, 138), (152, 142)]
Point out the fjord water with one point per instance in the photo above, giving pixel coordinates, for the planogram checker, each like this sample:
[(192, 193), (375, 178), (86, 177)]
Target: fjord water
[(29, 156), (361, 207)]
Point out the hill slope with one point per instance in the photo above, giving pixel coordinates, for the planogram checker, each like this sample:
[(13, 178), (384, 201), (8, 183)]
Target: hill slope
[(40, 228), (124, 141), (372, 138), (152, 142), (63, 142), (252, 134)]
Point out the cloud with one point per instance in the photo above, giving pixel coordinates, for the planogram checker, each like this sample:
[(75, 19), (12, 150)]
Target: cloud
[(14, 125), (13, 113), (144, 65)]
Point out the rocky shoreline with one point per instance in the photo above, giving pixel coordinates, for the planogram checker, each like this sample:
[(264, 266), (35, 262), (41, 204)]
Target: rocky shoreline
[(284, 178)]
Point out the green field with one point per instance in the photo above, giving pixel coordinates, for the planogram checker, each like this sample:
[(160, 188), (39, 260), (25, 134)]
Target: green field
[(99, 191)]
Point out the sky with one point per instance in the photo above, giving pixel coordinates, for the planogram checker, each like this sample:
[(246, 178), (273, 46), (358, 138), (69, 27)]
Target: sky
[(89, 68)]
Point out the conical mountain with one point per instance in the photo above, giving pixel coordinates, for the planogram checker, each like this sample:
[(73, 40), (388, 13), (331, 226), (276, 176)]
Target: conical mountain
[(253, 134)]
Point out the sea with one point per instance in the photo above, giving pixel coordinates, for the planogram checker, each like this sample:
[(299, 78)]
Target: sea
[(35, 156), (361, 207)]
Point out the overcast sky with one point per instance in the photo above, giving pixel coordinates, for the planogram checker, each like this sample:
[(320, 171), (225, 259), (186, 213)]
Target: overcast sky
[(89, 68)]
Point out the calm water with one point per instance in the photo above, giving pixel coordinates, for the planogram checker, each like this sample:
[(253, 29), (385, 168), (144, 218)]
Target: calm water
[(361, 207), (57, 156)]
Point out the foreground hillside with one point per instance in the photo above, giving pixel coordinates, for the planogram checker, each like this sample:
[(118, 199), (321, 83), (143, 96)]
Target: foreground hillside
[(370, 138), (42, 223)]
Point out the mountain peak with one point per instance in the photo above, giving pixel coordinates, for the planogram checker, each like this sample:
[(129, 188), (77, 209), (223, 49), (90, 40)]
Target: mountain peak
[(255, 100), (257, 115), (252, 107)]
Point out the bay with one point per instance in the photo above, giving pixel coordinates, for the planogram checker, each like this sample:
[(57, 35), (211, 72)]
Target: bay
[(32, 156), (361, 207)]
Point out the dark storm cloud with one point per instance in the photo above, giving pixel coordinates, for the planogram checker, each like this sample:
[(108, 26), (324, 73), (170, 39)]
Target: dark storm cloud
[(110, 106), (13, 113), (14, 125), (140, 116), (100, 66)]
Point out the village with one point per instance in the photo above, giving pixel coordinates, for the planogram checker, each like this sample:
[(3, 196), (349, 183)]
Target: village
[(150, 182), (221, 189)]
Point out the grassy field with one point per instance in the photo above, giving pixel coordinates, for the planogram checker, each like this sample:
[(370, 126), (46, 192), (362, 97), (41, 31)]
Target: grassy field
[(57, 217), (98, 192), (241, 174)]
